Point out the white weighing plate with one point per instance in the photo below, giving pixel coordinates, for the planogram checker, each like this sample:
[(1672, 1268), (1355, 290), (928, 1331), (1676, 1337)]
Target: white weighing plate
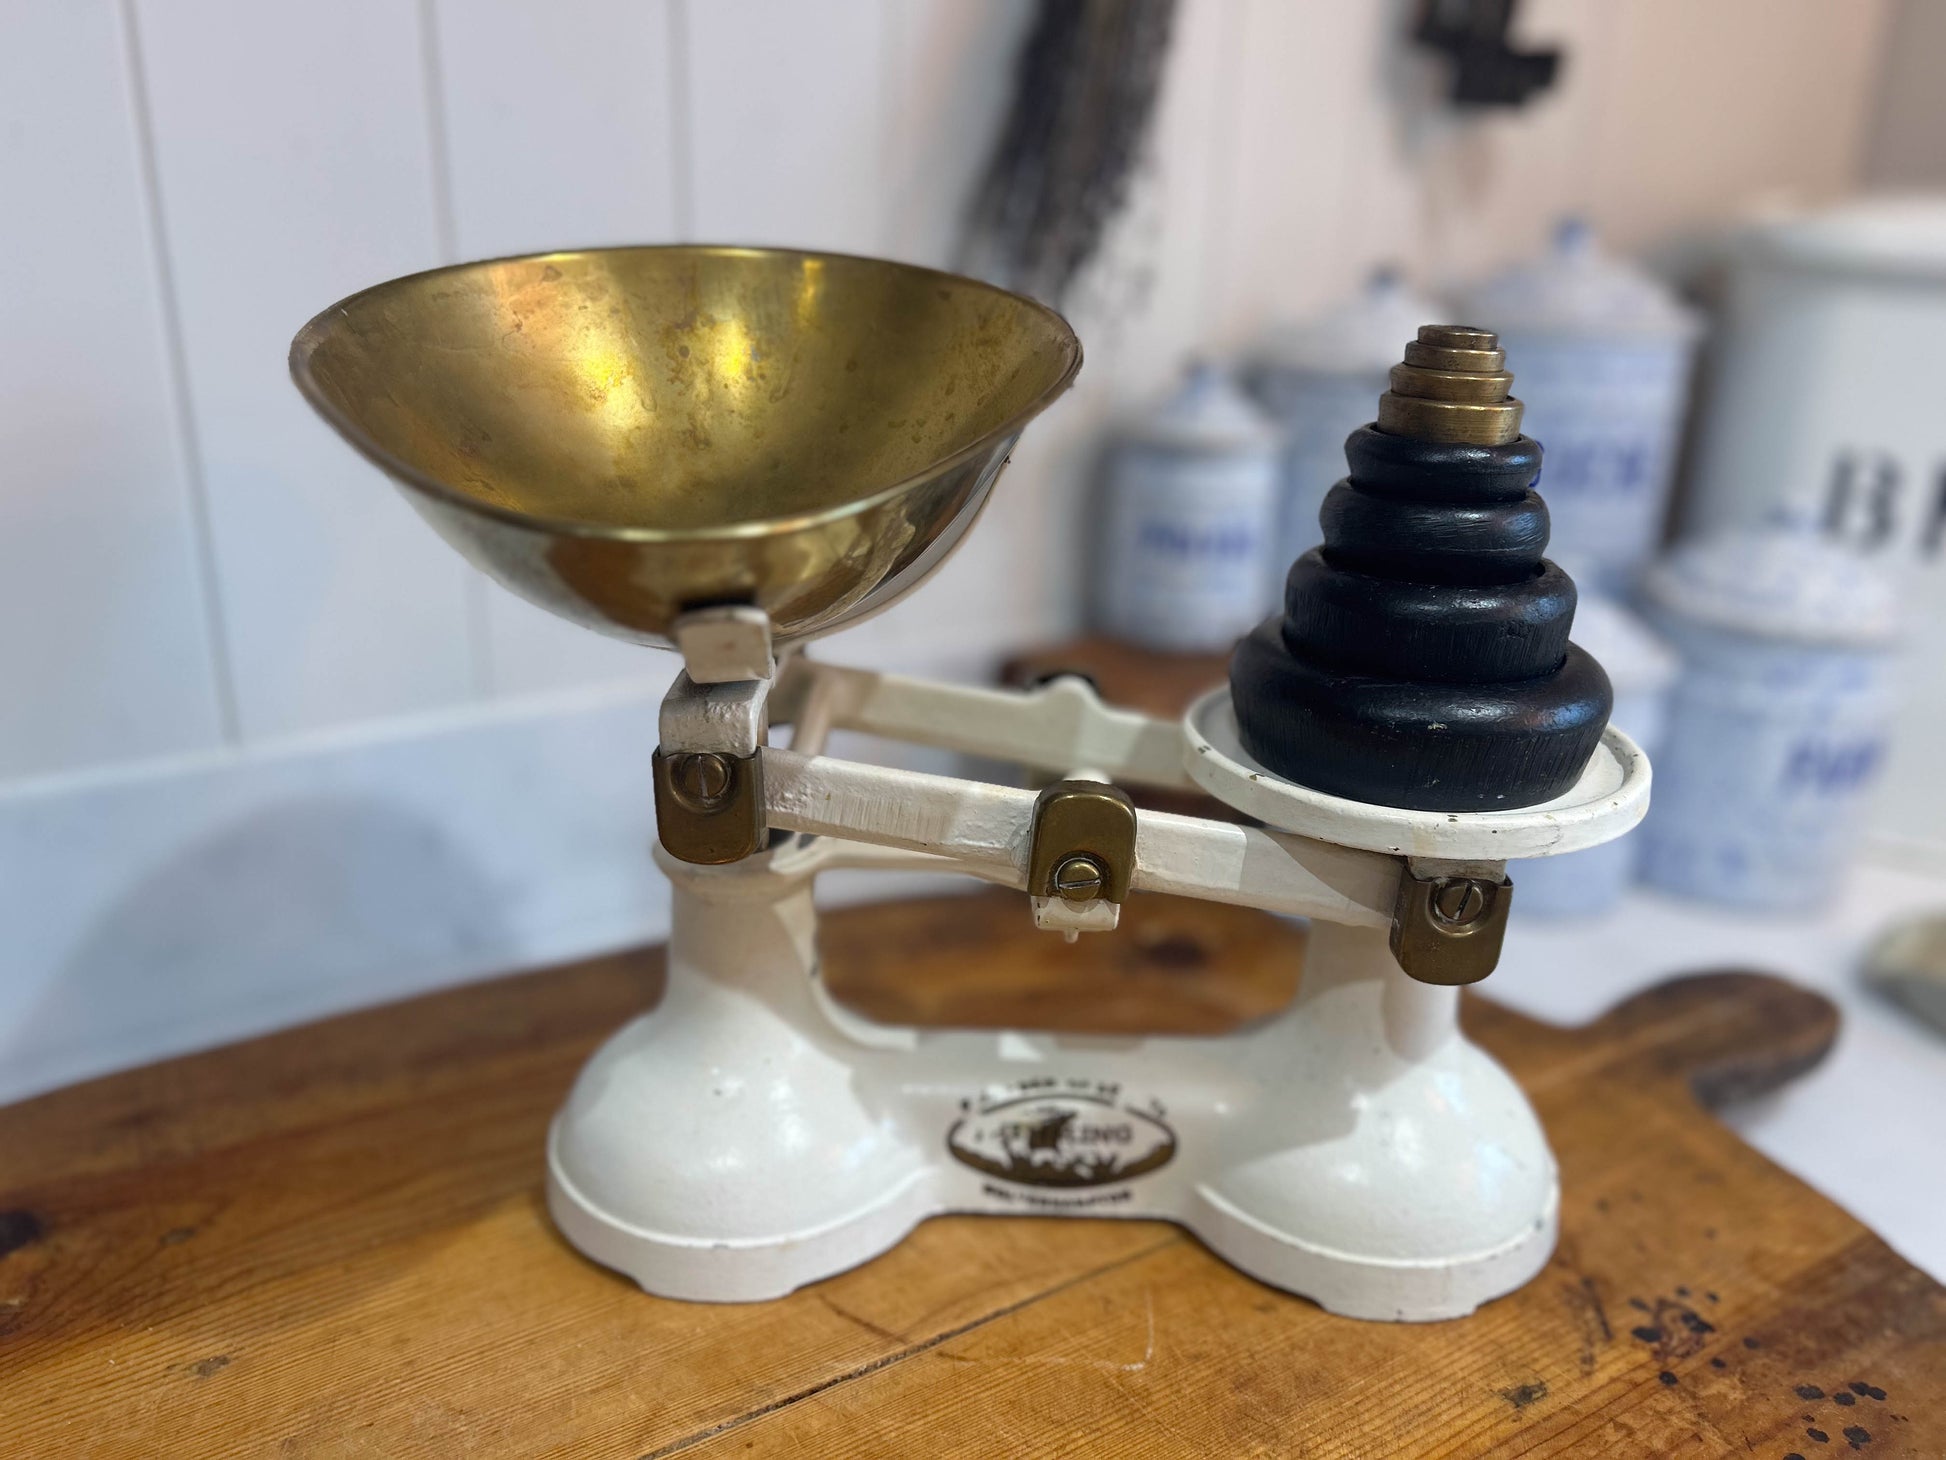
[(1611, 796)]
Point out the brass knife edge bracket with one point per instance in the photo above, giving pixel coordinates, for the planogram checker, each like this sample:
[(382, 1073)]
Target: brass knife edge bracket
[(1083, 844), (1450, 919), (709, 805)]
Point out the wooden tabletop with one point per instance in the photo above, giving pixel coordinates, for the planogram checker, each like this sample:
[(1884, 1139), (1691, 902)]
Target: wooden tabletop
[(331, 1242)]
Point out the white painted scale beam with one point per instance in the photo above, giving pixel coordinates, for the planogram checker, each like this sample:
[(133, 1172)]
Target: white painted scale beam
[(1055, 727), (990, 827)]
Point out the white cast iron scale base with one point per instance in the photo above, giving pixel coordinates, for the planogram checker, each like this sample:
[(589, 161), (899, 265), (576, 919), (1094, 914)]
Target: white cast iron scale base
[(748, 1136)]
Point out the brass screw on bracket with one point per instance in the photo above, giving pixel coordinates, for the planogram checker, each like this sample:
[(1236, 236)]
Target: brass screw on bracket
[(1452, 387), (1459, 901), (701, 781), (1079, 879)]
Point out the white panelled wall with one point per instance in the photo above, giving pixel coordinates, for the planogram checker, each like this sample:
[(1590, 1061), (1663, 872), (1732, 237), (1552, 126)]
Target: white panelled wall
[(269, 749)]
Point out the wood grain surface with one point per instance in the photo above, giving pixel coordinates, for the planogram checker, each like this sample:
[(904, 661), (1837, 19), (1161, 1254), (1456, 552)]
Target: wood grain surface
[(331, 1242)]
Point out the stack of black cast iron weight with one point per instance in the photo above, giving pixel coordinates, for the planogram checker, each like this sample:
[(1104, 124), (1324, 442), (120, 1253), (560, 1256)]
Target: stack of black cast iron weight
[(1422, 659)]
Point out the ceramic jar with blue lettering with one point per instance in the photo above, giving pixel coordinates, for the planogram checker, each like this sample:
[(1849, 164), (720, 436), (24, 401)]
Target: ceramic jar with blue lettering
[(1778, 724), (1601, 355), (1188, 553), (1643, 671), (1320, 381)]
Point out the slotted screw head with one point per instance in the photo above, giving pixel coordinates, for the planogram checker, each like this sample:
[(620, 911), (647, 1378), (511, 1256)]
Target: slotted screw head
[(1459, 901), (701, 780), (1079, 879)]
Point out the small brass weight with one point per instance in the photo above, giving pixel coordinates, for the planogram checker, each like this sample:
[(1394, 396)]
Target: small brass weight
[(730, 452)]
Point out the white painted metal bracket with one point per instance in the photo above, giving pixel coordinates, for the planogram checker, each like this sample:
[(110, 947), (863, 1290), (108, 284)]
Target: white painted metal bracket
[(721, 645), (730, 718), (1055, 727)]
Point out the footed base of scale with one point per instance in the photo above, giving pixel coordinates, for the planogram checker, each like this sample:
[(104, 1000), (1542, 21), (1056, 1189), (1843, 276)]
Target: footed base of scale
[(749, 1136)]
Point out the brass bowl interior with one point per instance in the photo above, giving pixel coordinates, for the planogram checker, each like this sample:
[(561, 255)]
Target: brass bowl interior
[(619, 433)]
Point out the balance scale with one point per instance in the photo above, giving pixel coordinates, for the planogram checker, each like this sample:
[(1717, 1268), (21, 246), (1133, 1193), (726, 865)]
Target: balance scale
[(731, 452)]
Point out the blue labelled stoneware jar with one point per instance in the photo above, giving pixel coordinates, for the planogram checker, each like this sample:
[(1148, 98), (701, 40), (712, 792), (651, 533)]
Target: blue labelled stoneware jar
[(1825, 398), (1778, 723), (1320, 381), (1642, 670), (1601, 354), (1190, 504)]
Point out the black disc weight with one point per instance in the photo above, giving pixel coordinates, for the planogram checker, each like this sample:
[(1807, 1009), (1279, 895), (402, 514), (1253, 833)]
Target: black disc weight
[(1425, 746), (1441, 471), (1435, 542), (1356, 623)]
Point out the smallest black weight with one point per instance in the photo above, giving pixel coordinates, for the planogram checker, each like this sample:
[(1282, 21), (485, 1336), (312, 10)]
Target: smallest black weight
[(1422, 658)]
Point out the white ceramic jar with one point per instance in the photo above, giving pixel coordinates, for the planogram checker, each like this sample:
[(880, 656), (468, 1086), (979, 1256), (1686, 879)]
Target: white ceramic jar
[(1320, 381), (1825, 398), (1601, 354), (1779, 722), (1190, 504)]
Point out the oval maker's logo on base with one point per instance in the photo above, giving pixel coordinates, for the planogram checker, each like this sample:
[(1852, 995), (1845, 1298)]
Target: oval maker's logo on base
[(1080, 1135)]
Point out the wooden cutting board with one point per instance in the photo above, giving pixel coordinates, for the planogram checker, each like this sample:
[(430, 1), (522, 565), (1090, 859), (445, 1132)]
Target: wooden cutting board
[(331, 1242)]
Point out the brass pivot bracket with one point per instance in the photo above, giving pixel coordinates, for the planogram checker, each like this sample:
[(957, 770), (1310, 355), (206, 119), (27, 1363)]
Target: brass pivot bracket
[(1083, 847), (1449, 920), (709, 806)]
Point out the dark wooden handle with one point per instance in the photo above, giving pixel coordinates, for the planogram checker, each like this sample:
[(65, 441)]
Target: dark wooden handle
[(1729, 1035)]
